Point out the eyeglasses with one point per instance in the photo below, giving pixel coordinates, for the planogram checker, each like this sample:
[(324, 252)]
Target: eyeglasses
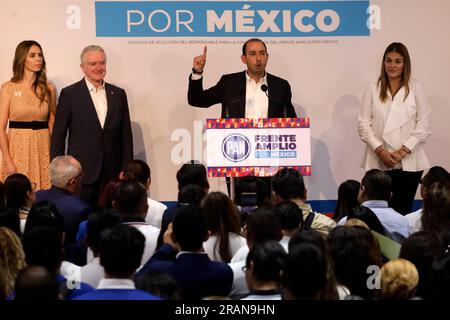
[(81, 175), (244, 269)]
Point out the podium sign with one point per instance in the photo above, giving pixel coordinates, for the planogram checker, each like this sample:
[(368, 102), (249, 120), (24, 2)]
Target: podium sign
[(239, 147)]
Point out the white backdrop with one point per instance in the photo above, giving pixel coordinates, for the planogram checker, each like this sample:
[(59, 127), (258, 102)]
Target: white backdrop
[(327, 80)]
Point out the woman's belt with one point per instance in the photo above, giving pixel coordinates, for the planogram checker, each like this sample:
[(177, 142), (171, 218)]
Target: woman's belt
[(33, 125)]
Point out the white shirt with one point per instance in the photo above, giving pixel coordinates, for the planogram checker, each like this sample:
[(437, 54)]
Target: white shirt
[(151, 237), (116, 284), (256, 100), (236, 242), (92, 273), (415, 220), (98, 96), (155, 212)]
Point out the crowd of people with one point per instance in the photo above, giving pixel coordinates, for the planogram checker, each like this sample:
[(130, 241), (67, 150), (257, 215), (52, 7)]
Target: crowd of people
[(77, 222), (211, 246)]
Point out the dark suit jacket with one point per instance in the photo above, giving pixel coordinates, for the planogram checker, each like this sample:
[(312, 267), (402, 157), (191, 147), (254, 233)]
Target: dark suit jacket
[(230, 92), (94, 147), (72, 209), (195, 273)]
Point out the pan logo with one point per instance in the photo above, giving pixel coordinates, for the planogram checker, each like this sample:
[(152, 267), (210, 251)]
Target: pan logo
[(236, 147)]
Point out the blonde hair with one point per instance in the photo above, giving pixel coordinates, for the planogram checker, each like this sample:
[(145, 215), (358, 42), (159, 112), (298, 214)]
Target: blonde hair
[(399, 279), (356, 223), (12, 260)]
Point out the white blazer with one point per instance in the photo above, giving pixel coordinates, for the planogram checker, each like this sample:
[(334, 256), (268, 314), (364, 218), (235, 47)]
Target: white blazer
[(395, 123)]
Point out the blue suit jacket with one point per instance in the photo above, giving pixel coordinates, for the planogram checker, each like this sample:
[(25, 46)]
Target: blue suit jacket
[(117, 294), (195, 273), (72, 209)]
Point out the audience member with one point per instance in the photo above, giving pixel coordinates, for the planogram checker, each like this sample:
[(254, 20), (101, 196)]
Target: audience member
[(131, 203), (263, 269), (12, 260), (37, 283), (191, 268), (375, 192), (19, 195), (222, 221), (65, 177), (353, 250), (121, 250), (9, 218), (440, 279), (291, 219), (367, 216), (398, 279), (435, 174), (93, 272), (347, 199), (422, 249), (288, 185), (305, 273), (160, 284), (436, 207)]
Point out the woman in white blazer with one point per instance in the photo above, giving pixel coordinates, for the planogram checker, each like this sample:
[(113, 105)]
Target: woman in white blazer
[(394, 122)]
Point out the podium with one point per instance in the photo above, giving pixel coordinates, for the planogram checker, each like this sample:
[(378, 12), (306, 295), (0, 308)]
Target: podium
[(259, 147)]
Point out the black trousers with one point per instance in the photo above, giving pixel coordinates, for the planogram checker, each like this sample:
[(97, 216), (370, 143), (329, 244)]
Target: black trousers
[(90, 193), (404, 187)]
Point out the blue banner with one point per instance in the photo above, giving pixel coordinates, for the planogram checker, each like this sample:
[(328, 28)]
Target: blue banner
[(231, 19)]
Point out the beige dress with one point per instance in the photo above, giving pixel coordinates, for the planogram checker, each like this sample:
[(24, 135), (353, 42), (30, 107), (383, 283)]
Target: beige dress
[(29, 149)]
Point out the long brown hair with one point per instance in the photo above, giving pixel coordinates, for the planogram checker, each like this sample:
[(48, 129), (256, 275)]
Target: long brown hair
[(222, 217), (40, 86), (12, 260), (383, 80), (436, 207)]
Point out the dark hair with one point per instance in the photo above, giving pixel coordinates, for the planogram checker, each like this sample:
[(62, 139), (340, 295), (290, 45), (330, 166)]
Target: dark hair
[(44, 213), (383, 80), (308, 236), (305, 271), (189, 227), (435, 174), (192, 173), (290, 215), (9, 218), (244, 46), (440, 280), (377, 185), (43, 247), (436, 207), (347, 198), (17, 187), (353, 250), (368, 217), (97, 223), (221, 217), (253, 185), (2, 196), (268, 261), (121, 250), (108, 195), (262, 225), (159, 284), (137, 170), (314, 237), (191, 194), (36, 283), (131, 198), (422, 248), (288, 184)]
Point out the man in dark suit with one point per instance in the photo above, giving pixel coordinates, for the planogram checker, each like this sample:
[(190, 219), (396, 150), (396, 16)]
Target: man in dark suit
[(96, 115), (251, 94), (191, 268)]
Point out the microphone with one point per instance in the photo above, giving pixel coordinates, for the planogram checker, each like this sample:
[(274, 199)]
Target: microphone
[(264, 89)]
